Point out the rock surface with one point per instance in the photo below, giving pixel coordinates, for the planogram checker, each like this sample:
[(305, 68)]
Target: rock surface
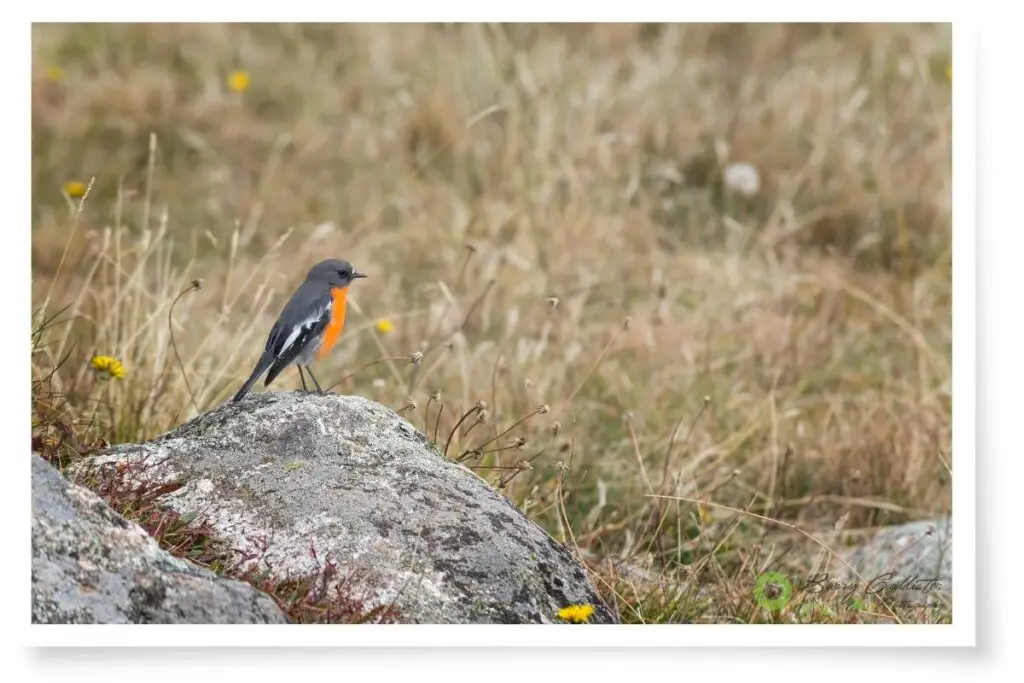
[(293, 480), (910, 562), (91, 565)]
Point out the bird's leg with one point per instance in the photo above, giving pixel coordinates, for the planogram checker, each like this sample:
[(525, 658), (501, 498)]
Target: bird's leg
[(303, 378), (318, 389)]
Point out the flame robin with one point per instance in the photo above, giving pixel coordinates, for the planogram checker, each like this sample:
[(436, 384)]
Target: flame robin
[(309, 325)]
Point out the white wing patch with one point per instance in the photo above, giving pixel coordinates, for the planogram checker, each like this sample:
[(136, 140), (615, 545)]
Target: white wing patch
[(300, 331)]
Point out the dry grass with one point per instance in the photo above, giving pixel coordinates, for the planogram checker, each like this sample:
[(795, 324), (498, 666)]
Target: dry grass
[(785, 354)]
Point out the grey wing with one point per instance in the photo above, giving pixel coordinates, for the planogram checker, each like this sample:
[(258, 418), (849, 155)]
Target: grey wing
[(303, 319)]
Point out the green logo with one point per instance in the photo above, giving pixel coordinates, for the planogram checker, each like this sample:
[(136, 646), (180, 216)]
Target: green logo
[(765, 590)]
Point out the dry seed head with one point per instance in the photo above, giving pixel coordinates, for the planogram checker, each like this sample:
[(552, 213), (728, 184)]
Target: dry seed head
[(480, 406), (519, 443), (524, 465), (543, 409), (197, 284), (416, 359), (481, 416), (556, 427), (707, 399), (435, 395), (626, 323), (552, 302), (409, 405), (742, 178)]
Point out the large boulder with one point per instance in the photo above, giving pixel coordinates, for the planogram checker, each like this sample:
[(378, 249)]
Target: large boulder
[(294, 481), (91, 565)]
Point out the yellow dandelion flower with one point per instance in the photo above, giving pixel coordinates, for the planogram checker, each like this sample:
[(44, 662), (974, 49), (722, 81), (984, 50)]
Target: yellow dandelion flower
[(576, 614), (54, 73), (385, 325), (107, 367), (702, 512), (75, 188), (238, 81)]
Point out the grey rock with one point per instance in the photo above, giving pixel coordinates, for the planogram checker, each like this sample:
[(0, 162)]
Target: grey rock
[(91, 565), (910, 562), (293, 480)]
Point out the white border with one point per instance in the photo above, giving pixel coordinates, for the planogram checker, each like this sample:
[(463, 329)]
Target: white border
[(487, 636), (960, 633)]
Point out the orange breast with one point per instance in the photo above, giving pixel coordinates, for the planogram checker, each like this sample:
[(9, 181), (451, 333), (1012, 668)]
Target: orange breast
[(337, 324)]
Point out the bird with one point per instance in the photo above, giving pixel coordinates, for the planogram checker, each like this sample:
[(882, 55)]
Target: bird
[(309, 324)]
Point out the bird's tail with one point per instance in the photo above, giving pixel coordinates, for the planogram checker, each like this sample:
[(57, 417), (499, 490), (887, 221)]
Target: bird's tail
[(266, 360)]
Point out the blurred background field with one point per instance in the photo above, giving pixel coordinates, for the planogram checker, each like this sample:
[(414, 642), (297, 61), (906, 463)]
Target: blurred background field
[(718, 254)]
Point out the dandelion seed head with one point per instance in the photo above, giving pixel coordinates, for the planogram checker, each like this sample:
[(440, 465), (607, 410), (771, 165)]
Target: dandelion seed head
[(742, 178)]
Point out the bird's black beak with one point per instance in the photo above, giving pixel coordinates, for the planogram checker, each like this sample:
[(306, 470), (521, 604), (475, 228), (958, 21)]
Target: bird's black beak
[(358, 275)]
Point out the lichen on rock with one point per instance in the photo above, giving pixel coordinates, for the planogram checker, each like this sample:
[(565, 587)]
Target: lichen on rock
[(291, 480), (91, 565)]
